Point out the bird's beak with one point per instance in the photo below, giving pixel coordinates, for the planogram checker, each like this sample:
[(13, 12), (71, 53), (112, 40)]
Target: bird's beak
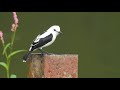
[(60, 32)]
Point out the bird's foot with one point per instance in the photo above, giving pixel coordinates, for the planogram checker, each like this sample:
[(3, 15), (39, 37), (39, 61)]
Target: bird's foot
[(42, 54)]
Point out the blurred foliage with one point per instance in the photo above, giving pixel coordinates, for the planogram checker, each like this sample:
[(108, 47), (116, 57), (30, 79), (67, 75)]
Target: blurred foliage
[(8, 52)]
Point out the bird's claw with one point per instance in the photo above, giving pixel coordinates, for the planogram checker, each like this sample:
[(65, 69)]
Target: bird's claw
[(42, 54)]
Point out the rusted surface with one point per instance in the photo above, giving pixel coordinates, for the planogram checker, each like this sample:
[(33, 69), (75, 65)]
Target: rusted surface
[(53, 66), (36, 66)]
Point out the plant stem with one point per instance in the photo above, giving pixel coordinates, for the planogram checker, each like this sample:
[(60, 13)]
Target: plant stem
[(8, 60), (12, 42), (7, 70), (8, 76), (13, 38)]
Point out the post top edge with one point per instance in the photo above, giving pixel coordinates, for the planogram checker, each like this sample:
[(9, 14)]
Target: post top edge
[(53, 54)]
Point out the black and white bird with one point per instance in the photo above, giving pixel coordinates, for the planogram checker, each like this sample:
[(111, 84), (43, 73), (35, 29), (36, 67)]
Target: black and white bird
[(44, 40)]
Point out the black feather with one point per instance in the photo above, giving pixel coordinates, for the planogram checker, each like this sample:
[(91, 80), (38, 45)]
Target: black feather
[(26, 56), (41, 42)]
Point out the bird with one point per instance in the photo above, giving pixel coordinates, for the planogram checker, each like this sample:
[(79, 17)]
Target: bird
[(43, 40)]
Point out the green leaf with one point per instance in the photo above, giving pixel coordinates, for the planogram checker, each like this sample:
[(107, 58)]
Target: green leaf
[(15, 52), (13, 76), (4, 65), (6, 47)]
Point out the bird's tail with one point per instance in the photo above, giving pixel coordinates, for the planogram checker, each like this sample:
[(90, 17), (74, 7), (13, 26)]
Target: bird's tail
[(25, 57)]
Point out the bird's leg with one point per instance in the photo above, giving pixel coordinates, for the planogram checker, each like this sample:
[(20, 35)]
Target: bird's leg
[(42, 53), (45, 52)]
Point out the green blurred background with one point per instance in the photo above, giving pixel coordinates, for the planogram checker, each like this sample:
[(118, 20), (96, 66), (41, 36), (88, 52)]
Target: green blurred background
[(94, 36)]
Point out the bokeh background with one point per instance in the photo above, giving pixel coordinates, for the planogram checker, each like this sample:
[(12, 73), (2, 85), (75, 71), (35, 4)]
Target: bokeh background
[(94, 36)]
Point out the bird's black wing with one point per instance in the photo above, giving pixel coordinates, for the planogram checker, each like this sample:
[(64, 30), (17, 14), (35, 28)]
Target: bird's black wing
[(41, 42)]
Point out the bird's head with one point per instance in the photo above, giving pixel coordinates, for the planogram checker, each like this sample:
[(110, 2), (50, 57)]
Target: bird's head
[(55, 29)]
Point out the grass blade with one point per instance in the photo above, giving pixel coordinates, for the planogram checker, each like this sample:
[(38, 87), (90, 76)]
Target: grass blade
[(13, 76), (6, 47), (15, 52), (4, 65)]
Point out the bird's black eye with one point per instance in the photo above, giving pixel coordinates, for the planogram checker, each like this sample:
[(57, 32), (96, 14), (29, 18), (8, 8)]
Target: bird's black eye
[(54, 30)]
